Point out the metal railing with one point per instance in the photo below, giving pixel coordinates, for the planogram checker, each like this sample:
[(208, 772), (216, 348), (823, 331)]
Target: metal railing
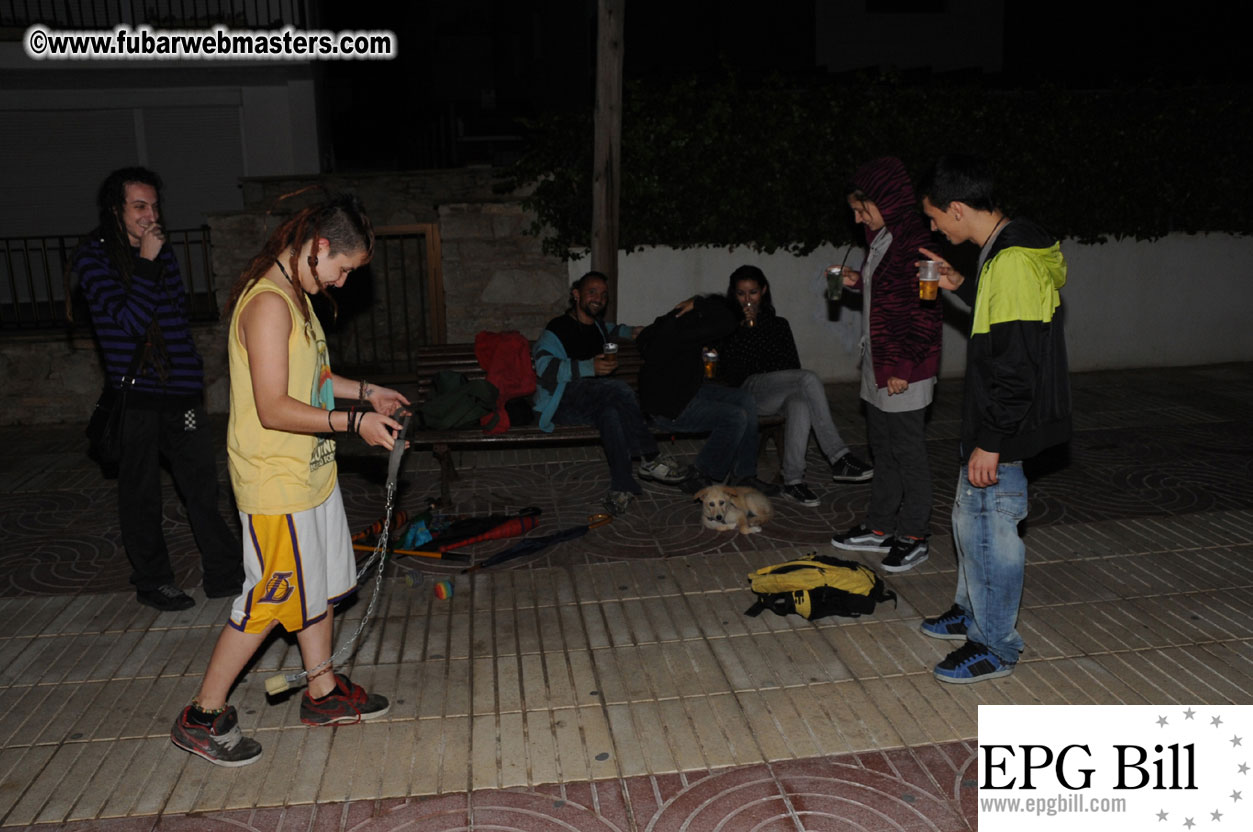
[(33, 279), (398, 307), (168, 14)]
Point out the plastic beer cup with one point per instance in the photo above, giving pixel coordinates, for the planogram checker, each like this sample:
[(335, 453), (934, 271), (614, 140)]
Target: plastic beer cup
[(929, 280), (835, 282), (710, 357)]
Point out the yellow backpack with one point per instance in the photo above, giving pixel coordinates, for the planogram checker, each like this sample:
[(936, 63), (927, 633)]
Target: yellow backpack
[(818, 586)]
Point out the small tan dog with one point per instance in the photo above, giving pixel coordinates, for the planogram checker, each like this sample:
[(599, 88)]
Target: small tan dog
[(725, 507)]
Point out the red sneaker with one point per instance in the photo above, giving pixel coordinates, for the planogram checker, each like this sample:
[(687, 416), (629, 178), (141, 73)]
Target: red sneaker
[(347, 704), (221, 743)]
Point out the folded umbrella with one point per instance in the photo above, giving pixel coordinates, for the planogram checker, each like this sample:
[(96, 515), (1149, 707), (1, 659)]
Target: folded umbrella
[(525, 520), (535, 544), (376, 528)]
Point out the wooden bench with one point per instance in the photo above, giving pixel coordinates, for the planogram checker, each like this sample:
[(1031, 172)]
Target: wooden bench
[(432, 360)]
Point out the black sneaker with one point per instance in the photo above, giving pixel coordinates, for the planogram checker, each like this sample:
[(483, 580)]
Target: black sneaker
[(693, 481), (972, 662), (906, 553), (799, 492), (849, 468), (167, 598), (951, 626), (861, 539), (345, 705), (617, 502), (767, 488), (221, 743)]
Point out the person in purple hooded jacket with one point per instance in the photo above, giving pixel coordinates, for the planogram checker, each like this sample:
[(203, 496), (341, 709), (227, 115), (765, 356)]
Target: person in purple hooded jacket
[(900, 360)]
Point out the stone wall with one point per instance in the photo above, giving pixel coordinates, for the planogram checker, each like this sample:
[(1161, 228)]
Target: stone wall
[(49, 377), (391, 198), (56, 376), (495, 277)]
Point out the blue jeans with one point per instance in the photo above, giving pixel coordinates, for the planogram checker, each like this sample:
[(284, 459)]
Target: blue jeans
[(991, 557), (611, 406), (730, 416)]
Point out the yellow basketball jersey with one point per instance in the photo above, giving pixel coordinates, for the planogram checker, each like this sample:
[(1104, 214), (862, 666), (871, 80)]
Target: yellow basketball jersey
[(273, 471)]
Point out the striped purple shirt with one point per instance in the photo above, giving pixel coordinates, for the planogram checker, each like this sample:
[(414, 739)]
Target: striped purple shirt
[(120, 319)]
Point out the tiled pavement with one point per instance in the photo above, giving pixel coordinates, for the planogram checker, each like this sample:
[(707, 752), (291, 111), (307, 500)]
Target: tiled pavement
[(612, 682)]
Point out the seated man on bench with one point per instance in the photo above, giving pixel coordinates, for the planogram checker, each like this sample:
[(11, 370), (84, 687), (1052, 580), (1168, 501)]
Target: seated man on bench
[(574, 388)]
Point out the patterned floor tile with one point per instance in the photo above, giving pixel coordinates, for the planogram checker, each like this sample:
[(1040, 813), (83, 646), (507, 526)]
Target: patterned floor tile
[(612, 682)]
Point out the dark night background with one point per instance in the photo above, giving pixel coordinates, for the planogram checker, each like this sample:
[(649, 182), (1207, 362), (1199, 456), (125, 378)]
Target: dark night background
[(474, 68)]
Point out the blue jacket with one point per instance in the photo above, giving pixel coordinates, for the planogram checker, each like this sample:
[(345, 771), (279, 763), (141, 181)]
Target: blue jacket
[(554, 370)]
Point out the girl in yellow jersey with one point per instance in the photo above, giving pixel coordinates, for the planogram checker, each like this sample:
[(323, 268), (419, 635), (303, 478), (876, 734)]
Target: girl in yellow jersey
[(297, 549)]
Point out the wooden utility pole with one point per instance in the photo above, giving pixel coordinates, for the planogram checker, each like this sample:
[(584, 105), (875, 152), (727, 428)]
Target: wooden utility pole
[(608, 142)]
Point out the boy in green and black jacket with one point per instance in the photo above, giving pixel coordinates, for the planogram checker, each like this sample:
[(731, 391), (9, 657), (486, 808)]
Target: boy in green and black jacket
[(1016, 404)]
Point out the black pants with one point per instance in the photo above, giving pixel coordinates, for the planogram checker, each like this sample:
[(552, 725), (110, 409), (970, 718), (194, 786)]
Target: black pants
[(900, 494), (610, 405), (148, 435)]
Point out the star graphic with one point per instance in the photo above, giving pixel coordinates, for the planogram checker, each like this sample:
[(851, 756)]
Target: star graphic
[(1235, 795), (1189, 823), (1216, 815), (1161, 816), (1216, 721), (1188, 714), (1243, 768), (1161, 722), (1235, 741)]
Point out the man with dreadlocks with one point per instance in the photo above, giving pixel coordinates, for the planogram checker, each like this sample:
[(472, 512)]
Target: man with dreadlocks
[(297, 548), (139, 314)]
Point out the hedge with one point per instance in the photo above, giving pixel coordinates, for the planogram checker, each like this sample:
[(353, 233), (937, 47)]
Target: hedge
[(722, 163)]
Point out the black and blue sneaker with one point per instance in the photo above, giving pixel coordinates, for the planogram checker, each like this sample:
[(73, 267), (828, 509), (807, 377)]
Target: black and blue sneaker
[(970, 663), (849, 468), (861, 538), (951, 626), (906, 553)]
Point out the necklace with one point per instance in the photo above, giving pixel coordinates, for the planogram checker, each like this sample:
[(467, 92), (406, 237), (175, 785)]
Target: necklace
[(1002, 221), (279, 263), (298, 289), (308, 323)]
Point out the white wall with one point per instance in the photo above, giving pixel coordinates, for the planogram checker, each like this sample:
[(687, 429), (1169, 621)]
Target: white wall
[(1178, 301)]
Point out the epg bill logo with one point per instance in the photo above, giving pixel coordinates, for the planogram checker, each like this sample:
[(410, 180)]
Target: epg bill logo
[(1099, 768), (1010, 767)]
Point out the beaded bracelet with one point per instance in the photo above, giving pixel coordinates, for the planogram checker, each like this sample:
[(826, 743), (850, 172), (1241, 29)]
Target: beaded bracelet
[(208, 711)]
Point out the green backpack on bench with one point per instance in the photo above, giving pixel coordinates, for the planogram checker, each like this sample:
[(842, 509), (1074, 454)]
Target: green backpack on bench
[(818, 586), (457, 402)]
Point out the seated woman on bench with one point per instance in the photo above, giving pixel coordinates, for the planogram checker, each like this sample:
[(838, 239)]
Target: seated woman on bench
[(761, 357)]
